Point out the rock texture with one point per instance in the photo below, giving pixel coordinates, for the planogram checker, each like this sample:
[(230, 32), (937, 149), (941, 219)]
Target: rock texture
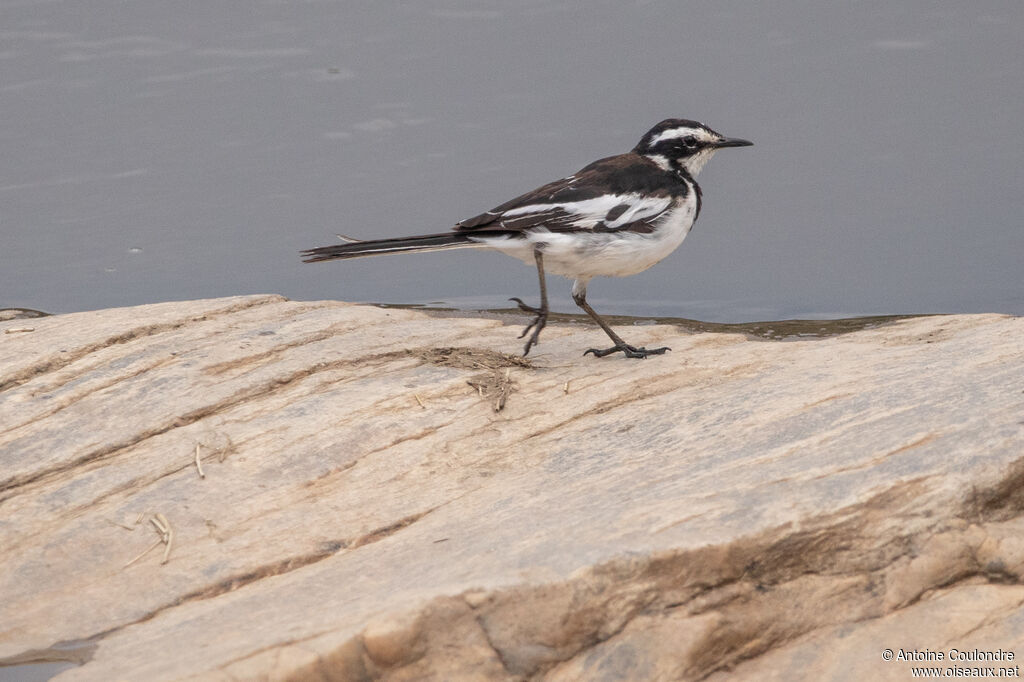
[(739, 508)]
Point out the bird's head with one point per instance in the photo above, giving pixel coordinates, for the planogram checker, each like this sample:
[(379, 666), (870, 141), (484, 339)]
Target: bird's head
[(679, 144)]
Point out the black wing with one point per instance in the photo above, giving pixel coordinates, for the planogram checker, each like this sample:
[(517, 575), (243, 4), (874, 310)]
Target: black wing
[(627, 192)]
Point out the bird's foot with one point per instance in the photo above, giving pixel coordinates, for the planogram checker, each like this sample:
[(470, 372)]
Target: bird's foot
[(527, 308), (539, 322), (627, 350)]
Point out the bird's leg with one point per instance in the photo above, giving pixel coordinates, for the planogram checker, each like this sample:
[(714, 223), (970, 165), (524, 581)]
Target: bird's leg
[(541, 313), (579, 295)]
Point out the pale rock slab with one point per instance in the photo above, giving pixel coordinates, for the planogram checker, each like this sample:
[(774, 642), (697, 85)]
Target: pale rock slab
[(738, 508)]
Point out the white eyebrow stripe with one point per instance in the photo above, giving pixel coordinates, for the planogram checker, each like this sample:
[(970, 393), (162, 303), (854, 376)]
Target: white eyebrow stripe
[(676, 133)]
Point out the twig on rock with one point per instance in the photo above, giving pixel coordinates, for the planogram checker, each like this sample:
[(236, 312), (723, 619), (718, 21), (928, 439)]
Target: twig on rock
[(199, 464), (144, 552), (166, 532)]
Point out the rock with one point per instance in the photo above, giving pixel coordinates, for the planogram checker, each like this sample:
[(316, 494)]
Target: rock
[(738, 508), (18, 314)]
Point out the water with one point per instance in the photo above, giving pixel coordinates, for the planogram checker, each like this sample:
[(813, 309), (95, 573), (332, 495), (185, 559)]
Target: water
[(44, 664), (155, 151)]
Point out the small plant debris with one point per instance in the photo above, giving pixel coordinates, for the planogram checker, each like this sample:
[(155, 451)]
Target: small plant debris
[(493, 384)]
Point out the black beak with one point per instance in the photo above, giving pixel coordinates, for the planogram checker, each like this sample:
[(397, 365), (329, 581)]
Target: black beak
[(734, 142)]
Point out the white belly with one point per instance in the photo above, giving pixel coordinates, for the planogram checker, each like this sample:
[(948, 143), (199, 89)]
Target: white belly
[(582, 255)]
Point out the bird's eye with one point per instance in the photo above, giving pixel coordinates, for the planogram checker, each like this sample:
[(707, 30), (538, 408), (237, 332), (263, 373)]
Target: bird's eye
[(690, 141)]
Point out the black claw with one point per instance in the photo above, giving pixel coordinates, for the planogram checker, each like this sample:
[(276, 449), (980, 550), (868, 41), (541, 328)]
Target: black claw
[(526, 308), (539, 322), (529, 327), (537, 325), (627, 350)]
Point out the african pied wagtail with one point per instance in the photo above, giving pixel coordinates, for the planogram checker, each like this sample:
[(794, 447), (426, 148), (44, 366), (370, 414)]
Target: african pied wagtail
[(616, 217)]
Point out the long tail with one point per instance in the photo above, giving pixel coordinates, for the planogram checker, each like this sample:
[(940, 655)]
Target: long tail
[(376, 247)]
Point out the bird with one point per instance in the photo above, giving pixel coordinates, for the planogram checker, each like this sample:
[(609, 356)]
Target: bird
[(615, 217)]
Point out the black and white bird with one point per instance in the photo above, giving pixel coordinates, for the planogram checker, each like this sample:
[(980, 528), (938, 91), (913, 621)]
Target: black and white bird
[(616, 217)]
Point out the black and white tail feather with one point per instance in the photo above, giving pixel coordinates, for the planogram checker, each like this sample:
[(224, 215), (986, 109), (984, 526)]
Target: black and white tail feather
[(615, 217), (358, 248)]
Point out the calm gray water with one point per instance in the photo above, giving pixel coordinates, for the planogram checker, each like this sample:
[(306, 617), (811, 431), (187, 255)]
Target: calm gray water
[(155, 150)]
